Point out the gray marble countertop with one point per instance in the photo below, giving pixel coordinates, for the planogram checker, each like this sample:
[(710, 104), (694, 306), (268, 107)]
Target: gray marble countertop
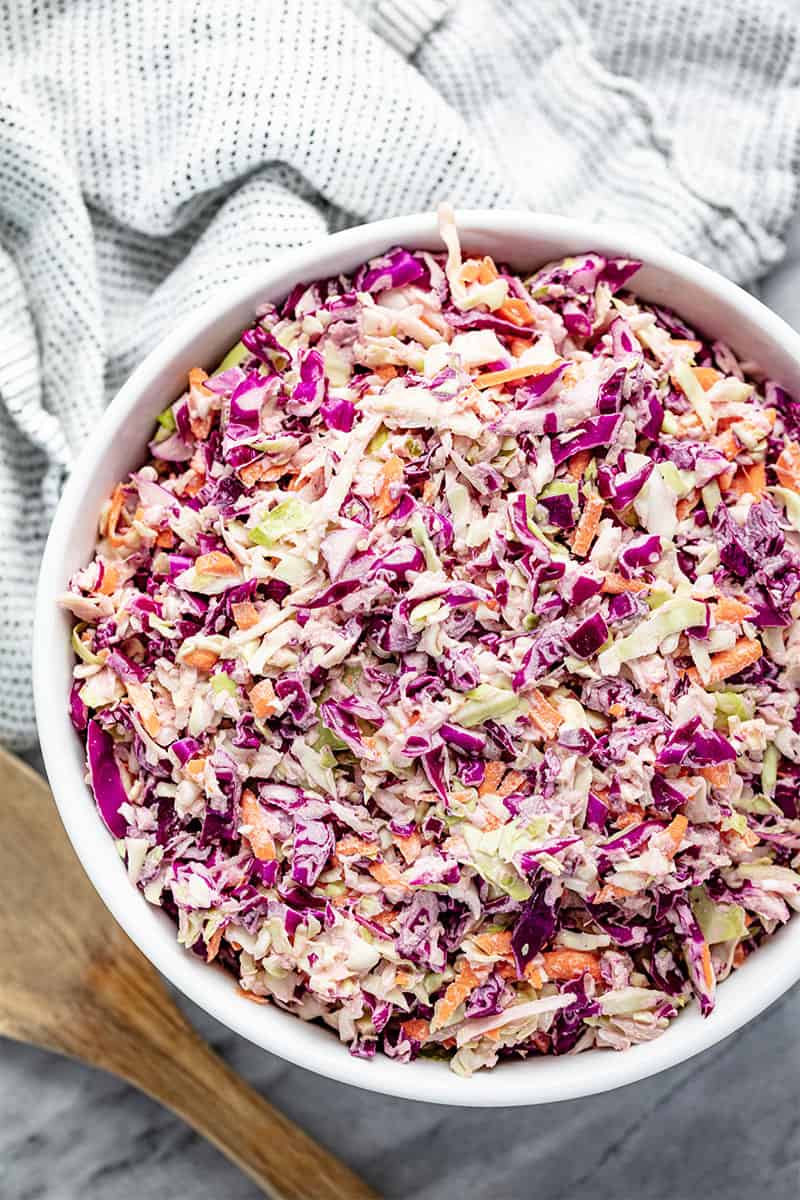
[(723, 1126)]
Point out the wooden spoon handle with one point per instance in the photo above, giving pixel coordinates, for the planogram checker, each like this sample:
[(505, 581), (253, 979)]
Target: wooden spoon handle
[(285, 1163)]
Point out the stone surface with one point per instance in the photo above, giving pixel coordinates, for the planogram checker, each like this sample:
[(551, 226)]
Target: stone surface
[(724, 1126)]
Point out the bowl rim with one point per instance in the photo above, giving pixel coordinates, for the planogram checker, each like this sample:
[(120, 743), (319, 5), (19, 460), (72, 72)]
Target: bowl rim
[(744, 996)]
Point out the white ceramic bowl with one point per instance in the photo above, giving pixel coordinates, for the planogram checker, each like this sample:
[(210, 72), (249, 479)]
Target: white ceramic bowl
[(525, 240)]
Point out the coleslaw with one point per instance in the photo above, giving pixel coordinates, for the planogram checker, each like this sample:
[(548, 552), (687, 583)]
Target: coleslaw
[(438, 670)]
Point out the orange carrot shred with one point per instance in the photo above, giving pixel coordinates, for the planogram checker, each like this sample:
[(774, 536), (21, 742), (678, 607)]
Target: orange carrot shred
[(787, 468), (676, 831), (351, 846), (587, 526), (245, 614), (109, 581), (517, 312), (613, 585), (391, 473), (544, 715), (262, 699), (512, 783), (578, 464), (494, 944), (114, 513), (727, 444), (410, 847), (706, 377), (509, 374), (708, 970), (730, 662), (201, 659), (491, 778), (417, 1029), (455, 995), (388, 876), (752, 479), (719, 774), (216, 563), (260, 836), (728, 608), (567, 964)]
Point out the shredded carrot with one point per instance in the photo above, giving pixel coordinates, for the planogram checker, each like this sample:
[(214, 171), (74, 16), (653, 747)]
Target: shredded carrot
[(509, 374), (201, 427), (388, 876), (518, 345), (251, 473), (455, 995), (632, 816), (402, 977), (479, 270), (587, 526), (212, 945), (195, 768), (152, 724), (391, 473), (201, 659), (719, 775), (385, 918), (751, 479), (567, 964), (544, 715), (494, 944), (613, 585), (533, 975), (727, 444), (114, 512), (617, 710), (688, 425), (262, 699), (728, 608), (706, 377), (385, 372), (197, 377), (260, 836), (578, 463), (216, 563), (739, 955), (787, 468), (351, 846), (676, 831), (166, 539), (512, 783), (410, 847), (417, 1029), (611, 891), (730, 662), (708, 970), (110, 580), (517, 312), (685, 506), (491, 778), (253, 998), (491, 822), (195, 483), (245, 614)]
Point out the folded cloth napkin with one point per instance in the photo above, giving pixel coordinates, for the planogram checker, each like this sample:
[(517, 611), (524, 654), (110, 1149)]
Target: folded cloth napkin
[(152, 153)]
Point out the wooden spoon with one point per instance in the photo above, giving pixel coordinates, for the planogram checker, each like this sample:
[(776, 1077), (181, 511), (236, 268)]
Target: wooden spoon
[(72, 981)]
